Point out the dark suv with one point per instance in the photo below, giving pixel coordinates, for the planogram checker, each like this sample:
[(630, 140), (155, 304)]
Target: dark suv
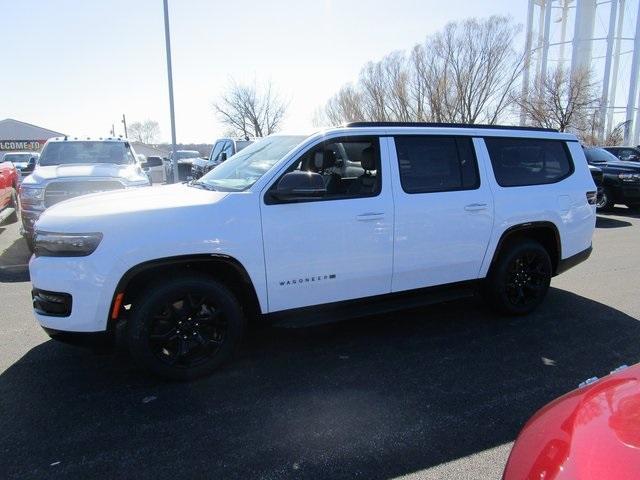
[(627, 154), (621, 181)]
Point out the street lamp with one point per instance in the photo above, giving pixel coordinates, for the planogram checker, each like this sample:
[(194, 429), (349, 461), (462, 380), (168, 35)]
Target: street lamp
[(174, 160)]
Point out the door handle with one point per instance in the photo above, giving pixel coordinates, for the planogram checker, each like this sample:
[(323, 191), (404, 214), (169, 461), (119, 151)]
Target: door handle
[(369, 216), (474, 207)]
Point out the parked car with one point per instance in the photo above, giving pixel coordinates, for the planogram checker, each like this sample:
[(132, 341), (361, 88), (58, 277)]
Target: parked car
[(223, 148), (626, 154), (69, 168), (347, 221), (185, 160), (598, 177), (590, 433), (155, 168), (23, 161), (621, 182), (9, 178)]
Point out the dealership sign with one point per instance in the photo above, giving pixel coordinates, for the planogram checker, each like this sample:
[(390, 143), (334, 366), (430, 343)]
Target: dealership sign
[(30, 145)]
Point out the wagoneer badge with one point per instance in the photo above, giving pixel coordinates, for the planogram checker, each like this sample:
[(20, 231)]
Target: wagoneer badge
[(315, 278)]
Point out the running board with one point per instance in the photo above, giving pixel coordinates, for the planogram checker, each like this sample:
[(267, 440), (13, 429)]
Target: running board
[(381, 304)]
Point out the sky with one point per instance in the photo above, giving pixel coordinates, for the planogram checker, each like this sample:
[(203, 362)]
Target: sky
[(77, 66)]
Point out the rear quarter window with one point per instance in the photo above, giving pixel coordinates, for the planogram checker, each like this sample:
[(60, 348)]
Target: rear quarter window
[(521, 162)]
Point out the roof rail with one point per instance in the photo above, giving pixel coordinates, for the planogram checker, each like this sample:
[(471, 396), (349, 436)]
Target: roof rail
[(445, 125)]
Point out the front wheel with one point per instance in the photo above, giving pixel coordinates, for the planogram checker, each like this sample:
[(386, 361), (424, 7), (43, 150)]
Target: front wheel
[(519, 280), (185, 327), (14, 204)]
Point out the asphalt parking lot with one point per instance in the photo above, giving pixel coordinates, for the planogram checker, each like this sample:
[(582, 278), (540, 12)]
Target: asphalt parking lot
[(439, 392)]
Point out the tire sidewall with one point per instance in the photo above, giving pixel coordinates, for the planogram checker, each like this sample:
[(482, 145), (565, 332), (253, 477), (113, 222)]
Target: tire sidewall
[(140, 323), (497, 279)]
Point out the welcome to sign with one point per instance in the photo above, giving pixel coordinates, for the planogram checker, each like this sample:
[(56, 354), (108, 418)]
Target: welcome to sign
[(17, 145)]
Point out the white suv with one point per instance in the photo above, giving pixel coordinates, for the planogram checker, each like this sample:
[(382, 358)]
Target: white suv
[(347, 221)]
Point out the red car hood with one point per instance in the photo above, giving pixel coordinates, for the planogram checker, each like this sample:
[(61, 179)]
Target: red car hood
[(592, 433)]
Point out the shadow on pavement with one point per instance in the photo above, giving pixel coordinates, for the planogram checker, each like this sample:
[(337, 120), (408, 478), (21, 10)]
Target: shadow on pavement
[(371, 398), (14, 262), (608, 222)]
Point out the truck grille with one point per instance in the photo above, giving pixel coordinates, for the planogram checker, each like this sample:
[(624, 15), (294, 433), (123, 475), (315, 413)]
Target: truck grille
[(59, 191)]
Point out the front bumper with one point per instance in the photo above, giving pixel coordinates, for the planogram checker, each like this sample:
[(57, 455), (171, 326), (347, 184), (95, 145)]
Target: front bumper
[(86, 282)]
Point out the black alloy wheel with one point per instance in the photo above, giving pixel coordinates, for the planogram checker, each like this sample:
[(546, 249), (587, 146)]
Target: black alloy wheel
[(527, 278), (519, 279), (187, 330), (185, 326)]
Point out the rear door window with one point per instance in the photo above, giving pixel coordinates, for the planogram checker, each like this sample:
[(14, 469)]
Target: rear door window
[(436, 164), (520, 162)]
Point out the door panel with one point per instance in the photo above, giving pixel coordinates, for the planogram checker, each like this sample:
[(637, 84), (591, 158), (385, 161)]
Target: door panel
[(440, 236), (329, 250)]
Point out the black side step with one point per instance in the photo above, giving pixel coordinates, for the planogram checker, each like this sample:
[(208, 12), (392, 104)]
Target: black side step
[(393, 302)]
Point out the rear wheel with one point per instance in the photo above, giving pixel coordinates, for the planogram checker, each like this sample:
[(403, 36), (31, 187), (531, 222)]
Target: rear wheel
[(184, 328), (604, 200), (519, 280)]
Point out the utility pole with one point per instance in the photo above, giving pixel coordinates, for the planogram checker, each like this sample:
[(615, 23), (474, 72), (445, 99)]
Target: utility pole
[(167, 37), (124, 122), (113, 130)]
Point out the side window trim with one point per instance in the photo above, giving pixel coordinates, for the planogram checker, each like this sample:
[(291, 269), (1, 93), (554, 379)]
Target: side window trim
[(456, 139), (376, 141)]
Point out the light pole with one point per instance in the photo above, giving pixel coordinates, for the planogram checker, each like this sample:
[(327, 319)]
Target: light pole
[(174, 160), (124, 122)]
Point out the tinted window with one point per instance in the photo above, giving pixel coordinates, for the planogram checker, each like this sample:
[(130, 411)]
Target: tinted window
[(349, 166), (217, 148), (527, 161), (73, 152), (436, 164), (599, 155)]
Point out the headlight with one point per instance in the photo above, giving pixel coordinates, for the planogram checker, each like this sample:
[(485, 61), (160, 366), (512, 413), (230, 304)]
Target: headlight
[(31, 194), (48, 244), (629, 177)]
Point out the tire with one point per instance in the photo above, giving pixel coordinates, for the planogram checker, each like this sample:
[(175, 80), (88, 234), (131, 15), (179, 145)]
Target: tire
[(13, 218), (185, 327), (29, 240), (604, 201), (519, 280)]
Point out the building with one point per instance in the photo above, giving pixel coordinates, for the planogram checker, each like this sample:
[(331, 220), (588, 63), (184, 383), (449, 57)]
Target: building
[(16, 136)]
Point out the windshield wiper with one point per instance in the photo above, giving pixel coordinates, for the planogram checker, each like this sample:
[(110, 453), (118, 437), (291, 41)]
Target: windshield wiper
[(206, 186)]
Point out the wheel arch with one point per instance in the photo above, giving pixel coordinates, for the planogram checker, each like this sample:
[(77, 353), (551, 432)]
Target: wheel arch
[(544, 232), (221, 267)]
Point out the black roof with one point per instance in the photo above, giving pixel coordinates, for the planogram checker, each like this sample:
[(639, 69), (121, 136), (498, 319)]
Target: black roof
[(446, 125)]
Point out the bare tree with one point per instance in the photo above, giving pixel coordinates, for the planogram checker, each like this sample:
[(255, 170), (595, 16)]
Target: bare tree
[(567, 102), (251, 110), (466, 73), (147, 131), (616, 136)]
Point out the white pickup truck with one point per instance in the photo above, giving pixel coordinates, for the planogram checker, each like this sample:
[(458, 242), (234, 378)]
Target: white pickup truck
[(69, 167), (347, 221)]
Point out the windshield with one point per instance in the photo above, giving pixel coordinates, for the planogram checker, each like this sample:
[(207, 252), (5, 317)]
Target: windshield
[(63, 153), (244, 168), (599, 155), (186, 154), (17, 157)]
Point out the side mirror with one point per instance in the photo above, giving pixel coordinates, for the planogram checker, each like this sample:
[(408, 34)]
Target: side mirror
[(300, 186), (223, 156)]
